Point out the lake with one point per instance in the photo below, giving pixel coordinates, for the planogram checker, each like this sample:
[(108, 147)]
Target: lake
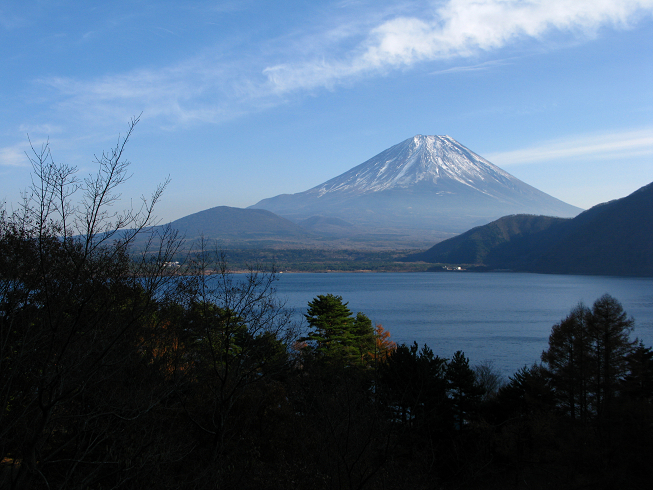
[(501, 317)]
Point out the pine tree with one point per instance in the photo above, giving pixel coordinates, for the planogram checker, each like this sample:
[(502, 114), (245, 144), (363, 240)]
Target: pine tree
[(412, 383), (337, 334), (587, 357), (331, 322), (569, 361), (462, 387), (365, 337), (609, 328)]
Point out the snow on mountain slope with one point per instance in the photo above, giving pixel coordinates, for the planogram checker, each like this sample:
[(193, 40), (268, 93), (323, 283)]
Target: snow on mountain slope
[(422, 183), (424, 159)]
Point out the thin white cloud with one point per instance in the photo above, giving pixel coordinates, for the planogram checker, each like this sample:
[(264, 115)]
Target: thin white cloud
[(14, 156), (177, 94), (634, 143), (40, 129), (209, 88), (457, 29), (478, 67)]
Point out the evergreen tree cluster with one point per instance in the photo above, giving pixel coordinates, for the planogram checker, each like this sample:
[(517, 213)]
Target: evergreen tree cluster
[(338, 335)]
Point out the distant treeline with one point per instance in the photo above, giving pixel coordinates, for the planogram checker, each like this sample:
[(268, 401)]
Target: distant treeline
[(316, 260)]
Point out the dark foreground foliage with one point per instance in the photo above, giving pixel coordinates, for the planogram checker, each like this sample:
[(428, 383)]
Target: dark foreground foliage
[(118, 371)]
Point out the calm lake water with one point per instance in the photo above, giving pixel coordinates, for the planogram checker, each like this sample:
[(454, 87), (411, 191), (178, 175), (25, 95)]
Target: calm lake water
[(502, 317)]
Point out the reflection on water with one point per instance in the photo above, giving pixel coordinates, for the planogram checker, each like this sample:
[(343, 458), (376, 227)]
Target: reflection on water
[(503, 317)]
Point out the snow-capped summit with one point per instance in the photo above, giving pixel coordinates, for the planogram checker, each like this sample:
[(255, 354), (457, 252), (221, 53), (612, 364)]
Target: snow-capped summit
[(421, 159), (422, 183)]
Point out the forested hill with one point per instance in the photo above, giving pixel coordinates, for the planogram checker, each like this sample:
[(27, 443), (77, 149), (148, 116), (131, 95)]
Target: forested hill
[(479, 245), (614, 238)]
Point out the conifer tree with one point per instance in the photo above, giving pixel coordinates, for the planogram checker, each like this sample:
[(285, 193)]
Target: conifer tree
[(463, 389), (383, 346), (365, 337), (609, 328), (336, 333), (330, 320), (587, 357), (412, 382), (638, 384), (568, 359)]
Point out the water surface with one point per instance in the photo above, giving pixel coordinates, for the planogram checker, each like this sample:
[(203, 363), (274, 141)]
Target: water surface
[(502, 317)]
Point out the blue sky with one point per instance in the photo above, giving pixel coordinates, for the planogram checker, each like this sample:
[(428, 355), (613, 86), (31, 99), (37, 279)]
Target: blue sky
[(243, 100)]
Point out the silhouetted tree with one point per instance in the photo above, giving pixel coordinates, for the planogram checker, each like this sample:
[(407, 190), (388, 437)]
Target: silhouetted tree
[(587, 357), (568, 359), (609, 328), (76, 307), (462, 387), (527, 391), (638, 383), (489, 379), (238, 335), (412, 383)]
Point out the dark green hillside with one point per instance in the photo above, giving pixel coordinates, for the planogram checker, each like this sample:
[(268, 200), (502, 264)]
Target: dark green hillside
[(474, 246), (614, 238)]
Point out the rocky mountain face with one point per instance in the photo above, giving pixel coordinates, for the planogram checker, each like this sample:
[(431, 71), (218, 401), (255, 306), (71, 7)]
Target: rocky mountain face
[(425, 184), (614, 238)]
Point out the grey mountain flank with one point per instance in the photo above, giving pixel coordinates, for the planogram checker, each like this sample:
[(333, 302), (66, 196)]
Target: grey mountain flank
[(429, 186), (237, 224)]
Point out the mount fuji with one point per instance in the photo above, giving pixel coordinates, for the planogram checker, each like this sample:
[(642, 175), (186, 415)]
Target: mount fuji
[(427, 185)]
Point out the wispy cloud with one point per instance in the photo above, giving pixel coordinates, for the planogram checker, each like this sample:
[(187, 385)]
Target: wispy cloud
[(477, 67), (40, 129), (189, 91), (457, 29), (14, 156), (210, 88), (599, 146)]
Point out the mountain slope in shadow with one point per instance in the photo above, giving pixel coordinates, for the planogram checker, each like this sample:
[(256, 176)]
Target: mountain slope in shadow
[(613, 238)]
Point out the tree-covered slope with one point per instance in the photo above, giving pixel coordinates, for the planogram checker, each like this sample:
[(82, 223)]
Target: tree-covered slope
[(614, 238), (479, 244)]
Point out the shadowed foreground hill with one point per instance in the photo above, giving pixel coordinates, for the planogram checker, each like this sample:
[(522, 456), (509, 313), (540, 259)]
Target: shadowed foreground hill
[(614, 238)]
